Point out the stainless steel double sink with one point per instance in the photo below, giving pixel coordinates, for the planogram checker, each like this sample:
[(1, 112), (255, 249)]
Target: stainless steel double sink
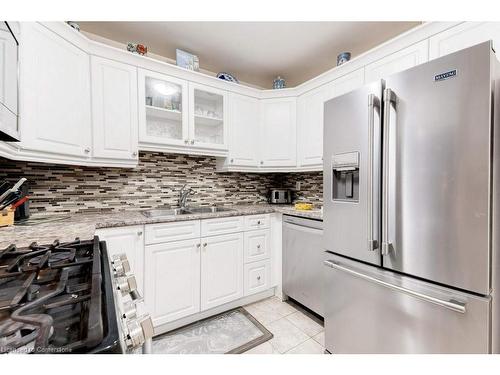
[(169, 212)]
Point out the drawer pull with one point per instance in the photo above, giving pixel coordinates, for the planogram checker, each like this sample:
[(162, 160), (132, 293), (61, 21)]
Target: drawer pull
[(258, 246), (258, 278), (258, 222)]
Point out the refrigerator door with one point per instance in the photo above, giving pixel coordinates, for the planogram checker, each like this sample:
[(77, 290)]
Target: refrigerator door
[(436, 182), (370, 310), (351, 174)]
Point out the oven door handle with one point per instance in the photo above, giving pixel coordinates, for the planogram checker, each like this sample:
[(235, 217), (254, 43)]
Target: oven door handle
[(451, 304)]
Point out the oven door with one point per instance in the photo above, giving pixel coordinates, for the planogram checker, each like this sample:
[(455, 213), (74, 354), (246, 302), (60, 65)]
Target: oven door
[(371, 310)]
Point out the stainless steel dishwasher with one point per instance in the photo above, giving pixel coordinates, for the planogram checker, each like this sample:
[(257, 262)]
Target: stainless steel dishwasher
[(303, 257)]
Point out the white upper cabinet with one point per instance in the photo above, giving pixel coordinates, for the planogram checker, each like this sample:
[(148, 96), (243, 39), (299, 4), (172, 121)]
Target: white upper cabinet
[(278, 133), (310, 128), (243, 131), (8, 79), (310, 118), (163, 110), (54, 93), (114, 110), (462, 36), (208, 117), (406, 58)]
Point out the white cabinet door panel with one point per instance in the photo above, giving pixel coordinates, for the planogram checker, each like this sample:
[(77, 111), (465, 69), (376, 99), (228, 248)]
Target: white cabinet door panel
[(221, 270), (462, 36), (222, 225), (257, 245), (174, 231), (172, 280), (243, 131), (114, 109), (257, 277), (278, 133), (406, 58), (310, 128), (130, 241), (55, 93), (310, 116)]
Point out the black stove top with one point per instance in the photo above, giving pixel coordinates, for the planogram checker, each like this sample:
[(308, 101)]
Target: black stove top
[(57, 298)]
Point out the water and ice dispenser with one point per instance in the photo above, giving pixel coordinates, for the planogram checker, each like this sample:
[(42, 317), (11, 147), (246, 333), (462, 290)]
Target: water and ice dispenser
[(345, 175)]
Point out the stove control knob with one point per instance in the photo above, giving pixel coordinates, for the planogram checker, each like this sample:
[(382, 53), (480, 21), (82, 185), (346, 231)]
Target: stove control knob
[(129, 310), (121, 267), (126, 284), (138, 331)]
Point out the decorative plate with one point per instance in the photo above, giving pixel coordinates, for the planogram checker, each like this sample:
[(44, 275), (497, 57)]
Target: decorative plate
[(227, 77)]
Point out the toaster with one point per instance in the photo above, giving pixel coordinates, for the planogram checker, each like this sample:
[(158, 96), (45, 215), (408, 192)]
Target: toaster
[(280, 196)]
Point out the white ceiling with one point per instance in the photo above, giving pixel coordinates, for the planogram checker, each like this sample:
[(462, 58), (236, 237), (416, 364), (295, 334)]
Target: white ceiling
[(256, 52)]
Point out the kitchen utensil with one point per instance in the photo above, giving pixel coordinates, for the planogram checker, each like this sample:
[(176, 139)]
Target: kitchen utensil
[(19, 202), (14, 189), (13, 197)]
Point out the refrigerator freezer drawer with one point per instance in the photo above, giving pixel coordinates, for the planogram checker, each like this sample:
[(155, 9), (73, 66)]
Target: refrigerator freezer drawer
[(370, 310)]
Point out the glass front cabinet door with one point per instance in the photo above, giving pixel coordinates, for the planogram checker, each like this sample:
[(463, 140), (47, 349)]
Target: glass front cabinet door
[(163, 113), (208, 113)]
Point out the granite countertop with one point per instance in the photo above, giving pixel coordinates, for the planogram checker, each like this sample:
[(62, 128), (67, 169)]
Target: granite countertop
[(84, 225)]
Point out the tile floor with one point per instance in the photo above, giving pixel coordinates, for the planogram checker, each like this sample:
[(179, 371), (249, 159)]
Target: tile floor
[(295, 330)]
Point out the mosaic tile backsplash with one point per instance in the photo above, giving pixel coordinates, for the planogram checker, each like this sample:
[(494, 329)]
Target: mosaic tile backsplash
[(153, 183)]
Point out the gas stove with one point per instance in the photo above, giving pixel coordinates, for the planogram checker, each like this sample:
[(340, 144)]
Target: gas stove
[(68, 298)]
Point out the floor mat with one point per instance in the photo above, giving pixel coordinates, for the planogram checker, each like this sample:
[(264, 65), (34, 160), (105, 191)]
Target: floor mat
[(231, 332)]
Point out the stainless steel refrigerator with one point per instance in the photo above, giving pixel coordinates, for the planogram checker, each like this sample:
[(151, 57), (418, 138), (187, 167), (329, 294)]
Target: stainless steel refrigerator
[(411, 216)]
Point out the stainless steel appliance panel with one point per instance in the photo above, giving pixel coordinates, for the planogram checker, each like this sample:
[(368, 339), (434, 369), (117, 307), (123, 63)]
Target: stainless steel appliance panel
[(351, 175), (369, 310), (303, 258), (436, 184)]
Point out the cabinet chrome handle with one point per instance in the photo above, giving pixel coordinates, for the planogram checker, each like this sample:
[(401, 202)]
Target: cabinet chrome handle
[(451, 304), (389, 99), (261, 162), (258, 277), (258, 222), (139, 233), (258, 246), (134, 154), (204, 244), (373, 102), (186, 141), (192, 141), (87, 150), (232, 160), (198, 245)]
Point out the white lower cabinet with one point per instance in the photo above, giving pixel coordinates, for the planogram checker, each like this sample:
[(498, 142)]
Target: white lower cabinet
[(130, 241), (172, 280), (181, 272), (257, 277), (257, 245), (221, 269)]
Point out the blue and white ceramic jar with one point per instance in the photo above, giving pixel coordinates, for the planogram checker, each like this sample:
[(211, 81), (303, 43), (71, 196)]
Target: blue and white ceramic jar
[(279, 83)]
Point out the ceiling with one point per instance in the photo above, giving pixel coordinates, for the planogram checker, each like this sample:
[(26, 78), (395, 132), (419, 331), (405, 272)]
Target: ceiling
[(255, 52)]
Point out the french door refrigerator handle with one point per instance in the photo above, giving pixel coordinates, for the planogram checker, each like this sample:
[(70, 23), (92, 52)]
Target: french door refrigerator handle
[(389, 99), (373, 102), (451, 304)]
